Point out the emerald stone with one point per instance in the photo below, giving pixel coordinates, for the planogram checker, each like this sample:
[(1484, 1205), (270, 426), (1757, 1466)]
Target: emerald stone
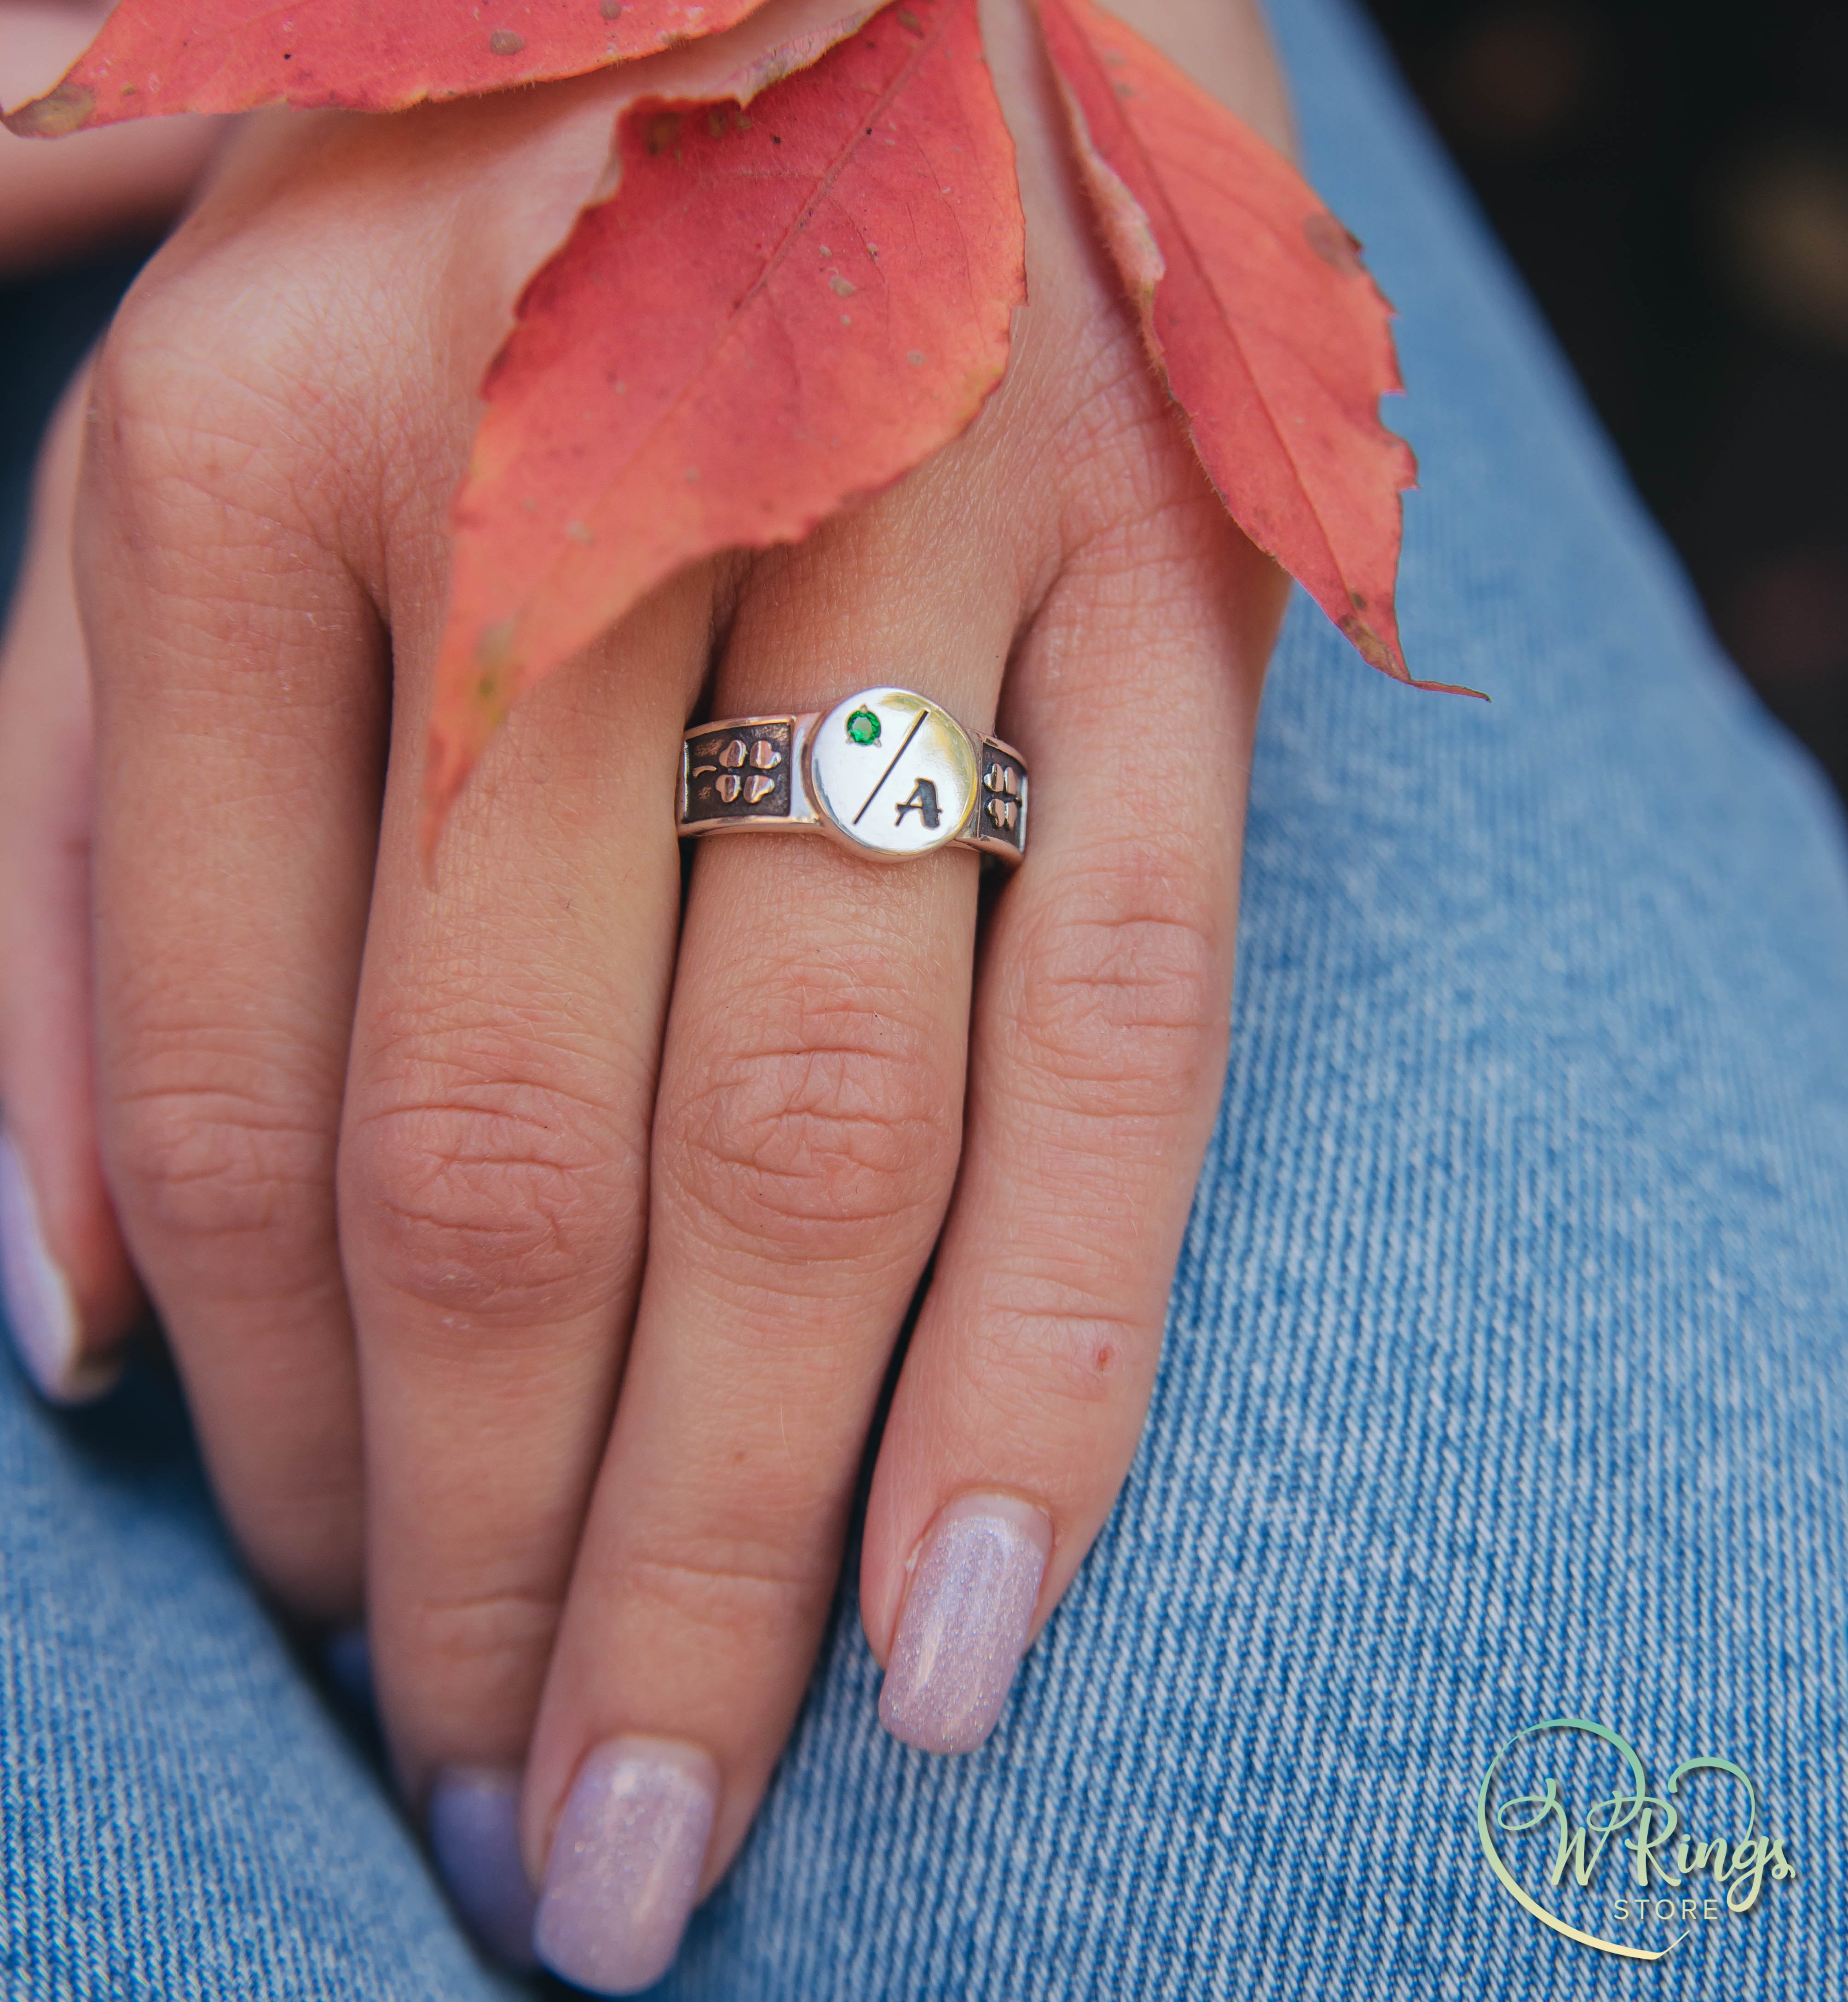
[(863, 727)]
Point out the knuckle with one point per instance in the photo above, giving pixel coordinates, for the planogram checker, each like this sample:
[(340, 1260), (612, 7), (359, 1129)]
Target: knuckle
[(205, 1166), (495, 1638), (1089, 368), (1119, 464), (742, 1591), (1116, 437), (224, 463), (180, 404), (829, 1118), (499, 1198), (1123, 991)]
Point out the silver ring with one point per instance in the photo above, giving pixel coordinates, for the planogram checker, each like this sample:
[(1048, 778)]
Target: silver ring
[(888, 773)]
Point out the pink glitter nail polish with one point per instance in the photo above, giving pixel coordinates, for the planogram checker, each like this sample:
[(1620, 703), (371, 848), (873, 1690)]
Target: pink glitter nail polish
[(964, 1629), (626, 1863)]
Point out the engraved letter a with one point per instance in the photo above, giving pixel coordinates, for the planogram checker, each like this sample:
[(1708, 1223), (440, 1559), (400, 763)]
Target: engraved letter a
[(924, 800)]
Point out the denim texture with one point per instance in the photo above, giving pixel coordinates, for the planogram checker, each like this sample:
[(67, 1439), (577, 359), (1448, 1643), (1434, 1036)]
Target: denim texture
[(1504, 1376)]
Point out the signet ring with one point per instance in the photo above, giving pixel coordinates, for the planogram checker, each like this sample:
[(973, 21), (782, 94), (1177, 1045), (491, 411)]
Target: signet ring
[(887, 773)]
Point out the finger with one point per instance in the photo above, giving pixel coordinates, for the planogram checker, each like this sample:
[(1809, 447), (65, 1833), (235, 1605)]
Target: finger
[(1099, 1046), (71, 1293), (493, 1200), (805, 1141), (240, 701)]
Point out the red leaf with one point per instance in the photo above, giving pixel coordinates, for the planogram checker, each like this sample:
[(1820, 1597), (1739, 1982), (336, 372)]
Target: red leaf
[(154, 57), (777, 311), (1258, 312)]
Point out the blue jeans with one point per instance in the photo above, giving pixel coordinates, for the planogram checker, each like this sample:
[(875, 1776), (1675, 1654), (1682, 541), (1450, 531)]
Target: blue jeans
[(1504, 1378)]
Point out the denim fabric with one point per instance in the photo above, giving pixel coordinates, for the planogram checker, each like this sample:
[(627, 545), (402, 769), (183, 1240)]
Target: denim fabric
[(1504, 1376)]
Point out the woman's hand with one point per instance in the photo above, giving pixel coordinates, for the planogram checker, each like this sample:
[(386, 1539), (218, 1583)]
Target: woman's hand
[(533, 1249)]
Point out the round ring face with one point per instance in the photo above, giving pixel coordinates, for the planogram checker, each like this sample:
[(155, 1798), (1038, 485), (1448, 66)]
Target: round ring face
[(892, 774)]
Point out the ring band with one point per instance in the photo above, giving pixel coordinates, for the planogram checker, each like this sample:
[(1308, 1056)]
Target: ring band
[(887, 773)]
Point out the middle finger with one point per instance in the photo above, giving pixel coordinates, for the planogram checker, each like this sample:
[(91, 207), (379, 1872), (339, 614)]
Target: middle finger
[(492, 1180)]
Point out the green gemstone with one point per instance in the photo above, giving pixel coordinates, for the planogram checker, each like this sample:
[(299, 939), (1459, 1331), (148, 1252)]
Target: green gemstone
[(863, 727)]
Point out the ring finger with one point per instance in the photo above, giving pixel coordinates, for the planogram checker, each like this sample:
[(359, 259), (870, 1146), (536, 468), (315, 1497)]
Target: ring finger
[(806, 1139)]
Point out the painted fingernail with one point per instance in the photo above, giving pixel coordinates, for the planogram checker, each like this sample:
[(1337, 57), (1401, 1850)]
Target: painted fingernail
[(964, 1630), (626, 1863), (41, 1309), (475, 1838)]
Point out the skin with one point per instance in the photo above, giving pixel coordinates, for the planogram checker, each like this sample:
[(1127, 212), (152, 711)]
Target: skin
[(533, 1251)]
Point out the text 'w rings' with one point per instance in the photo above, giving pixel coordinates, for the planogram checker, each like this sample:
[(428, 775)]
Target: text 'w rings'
[(887, 773)]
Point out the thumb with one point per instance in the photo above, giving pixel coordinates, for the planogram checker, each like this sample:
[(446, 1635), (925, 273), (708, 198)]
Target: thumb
[(71, 1295)]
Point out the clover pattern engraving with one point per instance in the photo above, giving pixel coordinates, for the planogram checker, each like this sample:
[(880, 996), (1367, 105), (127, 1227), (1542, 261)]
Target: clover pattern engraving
[(739, 771)]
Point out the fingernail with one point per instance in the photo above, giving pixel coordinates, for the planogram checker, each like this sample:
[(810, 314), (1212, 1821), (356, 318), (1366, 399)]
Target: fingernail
[(41, 1309), (964, 1629), (626, 1863), (475, 1837)]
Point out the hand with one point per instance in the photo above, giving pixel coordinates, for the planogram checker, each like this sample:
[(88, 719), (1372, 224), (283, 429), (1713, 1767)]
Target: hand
[(465, 1159)]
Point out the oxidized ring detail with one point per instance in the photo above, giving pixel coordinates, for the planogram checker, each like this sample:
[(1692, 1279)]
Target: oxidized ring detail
[(887, 773)]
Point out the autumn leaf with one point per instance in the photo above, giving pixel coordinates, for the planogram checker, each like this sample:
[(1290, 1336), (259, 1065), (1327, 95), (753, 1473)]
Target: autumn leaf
[(1259, 314), (765, 313), (155, 57), (780, 308)]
